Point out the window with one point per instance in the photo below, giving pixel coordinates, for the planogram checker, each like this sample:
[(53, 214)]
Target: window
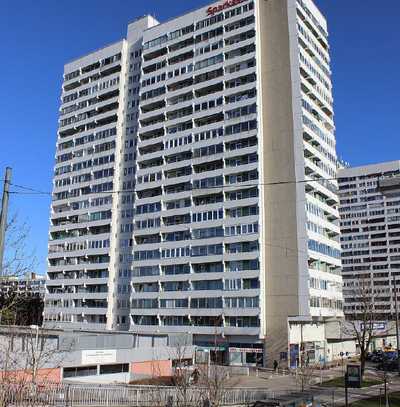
[(241, 111), (208, 182), (239, 24), (206, 302), (243, 80), (179, 203), (175, 252), (146, 271), (242, 211), (209, 21), (241, 127), (208, 104), (209, 35), (239, 10), (147, 255), (242, 322), (237, 97), (208, 150), (242, 265), (148, 208), (176, 286), (208, 267), (209, 62), (233, 285), (174, 269), (144, 303), (241, 229), (207, 285), (209, 47), (208, 233), (179, 33), (242, 194), (242, 247), (155, 42), (114, 369), (241, 302), (207, 250), (324, 249), (79, 371), (208, 134), (209, 215), (177, 303), (240, 51), (175, 321)]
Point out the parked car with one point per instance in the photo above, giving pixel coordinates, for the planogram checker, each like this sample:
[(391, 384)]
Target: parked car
[(390, 365), (370, 355), (377, 356), (391, 355)]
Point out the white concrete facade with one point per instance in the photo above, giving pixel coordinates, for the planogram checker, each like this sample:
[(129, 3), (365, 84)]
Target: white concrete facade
[(218, 214), (370, 226)]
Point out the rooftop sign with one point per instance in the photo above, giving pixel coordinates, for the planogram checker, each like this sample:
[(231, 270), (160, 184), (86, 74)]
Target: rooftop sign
[(227, 4)]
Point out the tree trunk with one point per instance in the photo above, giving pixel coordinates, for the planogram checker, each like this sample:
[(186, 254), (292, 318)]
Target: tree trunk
[(362, 363)]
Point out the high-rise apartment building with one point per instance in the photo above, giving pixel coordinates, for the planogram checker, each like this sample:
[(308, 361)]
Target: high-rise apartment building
[(192, 189), (370, 226)]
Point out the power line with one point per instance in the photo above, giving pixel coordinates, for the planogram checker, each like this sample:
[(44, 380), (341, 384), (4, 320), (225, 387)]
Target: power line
[(33, 191), (28, 188)]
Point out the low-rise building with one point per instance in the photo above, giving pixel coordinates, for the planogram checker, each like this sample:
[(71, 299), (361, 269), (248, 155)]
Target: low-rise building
[(125, 357)]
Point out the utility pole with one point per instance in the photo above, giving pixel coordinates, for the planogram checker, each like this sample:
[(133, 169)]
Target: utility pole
[(3, 215), (396, 310)]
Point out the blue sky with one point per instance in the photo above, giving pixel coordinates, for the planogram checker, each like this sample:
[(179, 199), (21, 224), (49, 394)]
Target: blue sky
[(38, 37)]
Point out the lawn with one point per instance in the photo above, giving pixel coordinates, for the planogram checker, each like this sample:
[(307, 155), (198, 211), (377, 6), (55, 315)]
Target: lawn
[(394, 401), (339, 382)]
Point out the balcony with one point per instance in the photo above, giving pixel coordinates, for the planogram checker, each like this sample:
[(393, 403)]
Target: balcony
[(389, 184)]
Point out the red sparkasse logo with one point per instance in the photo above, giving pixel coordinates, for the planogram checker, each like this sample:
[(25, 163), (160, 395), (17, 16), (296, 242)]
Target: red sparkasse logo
[(229, 3)]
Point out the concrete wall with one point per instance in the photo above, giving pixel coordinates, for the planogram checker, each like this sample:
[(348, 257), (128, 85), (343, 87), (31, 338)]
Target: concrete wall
[(307, 333), (335, 348), (152, 368), (280, 258), (47, 375), (102, 379)]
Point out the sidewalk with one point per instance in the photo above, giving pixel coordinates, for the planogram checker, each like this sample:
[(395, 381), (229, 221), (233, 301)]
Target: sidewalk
[(329, 396), (336, 396), (278, 382)]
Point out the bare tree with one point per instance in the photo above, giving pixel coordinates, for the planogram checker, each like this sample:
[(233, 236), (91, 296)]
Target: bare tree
[(361, 324), (305, 374), (17, 262), (176, 390), (214, 381), (27, 359), (183, 371)]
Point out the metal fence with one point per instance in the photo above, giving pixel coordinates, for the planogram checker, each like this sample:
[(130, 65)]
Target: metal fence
[(75, 395)]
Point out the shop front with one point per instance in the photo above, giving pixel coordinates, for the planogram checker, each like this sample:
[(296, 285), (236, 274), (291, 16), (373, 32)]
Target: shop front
[(246, 356)]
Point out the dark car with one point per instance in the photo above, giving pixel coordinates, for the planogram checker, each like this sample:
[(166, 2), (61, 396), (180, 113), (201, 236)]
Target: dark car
[(389, 365), (377, 356), (391, 355)]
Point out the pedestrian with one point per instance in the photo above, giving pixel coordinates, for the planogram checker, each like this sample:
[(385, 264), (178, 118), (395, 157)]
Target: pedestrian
[(275, 365)]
